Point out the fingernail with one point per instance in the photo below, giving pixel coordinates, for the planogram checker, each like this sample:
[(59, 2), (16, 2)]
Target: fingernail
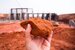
[(28, 25)]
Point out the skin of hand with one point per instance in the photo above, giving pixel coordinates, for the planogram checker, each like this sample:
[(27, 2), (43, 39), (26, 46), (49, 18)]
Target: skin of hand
[(37, 43)]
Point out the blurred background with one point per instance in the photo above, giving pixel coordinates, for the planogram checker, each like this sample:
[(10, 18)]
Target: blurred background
[(51, 6)]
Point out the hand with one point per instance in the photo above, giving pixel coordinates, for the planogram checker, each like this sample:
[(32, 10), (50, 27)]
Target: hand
[(37, 43)]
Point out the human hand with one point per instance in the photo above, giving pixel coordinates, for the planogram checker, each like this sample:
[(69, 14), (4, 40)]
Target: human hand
[(36, 43)]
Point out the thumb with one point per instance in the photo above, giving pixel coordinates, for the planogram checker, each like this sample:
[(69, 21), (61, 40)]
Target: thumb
[(27, 31), (50, 36)]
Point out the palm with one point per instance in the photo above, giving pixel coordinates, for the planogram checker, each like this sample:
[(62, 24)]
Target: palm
[(37, 43), (42, 43)]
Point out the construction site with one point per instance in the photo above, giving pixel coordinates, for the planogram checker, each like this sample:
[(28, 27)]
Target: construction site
[(37, 25), (12, 34)]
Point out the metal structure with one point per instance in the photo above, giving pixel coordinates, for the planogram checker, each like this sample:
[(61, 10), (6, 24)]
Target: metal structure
[(20, 13), (26, 13), (72, 23)]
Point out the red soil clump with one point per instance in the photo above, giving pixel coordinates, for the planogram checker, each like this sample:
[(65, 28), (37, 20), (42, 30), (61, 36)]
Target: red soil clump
[(40, 27)]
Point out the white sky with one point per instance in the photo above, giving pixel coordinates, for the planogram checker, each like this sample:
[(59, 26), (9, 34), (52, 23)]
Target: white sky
[(57, 6)]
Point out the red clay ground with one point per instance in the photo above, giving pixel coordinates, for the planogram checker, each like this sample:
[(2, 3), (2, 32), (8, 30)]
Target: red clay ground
[(12, 38)]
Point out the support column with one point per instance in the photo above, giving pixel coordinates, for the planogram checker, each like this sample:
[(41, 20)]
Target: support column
[(26, 13), (37, 15), (22, 15), (50, 16), (15, 15), (42, 16), (12, 15)]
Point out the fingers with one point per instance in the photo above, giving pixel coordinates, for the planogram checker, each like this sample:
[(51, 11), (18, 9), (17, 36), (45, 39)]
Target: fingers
[(27, 32), (50, 36)]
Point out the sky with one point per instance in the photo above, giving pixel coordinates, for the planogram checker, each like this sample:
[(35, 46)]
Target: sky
[(49, 6)]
